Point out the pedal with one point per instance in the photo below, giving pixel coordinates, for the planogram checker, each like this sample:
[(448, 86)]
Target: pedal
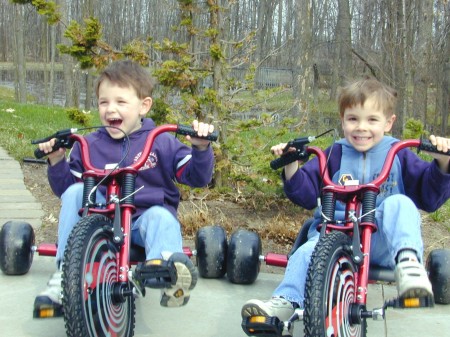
[(408, 303), (48, 311), (262, 326), (157, 273)]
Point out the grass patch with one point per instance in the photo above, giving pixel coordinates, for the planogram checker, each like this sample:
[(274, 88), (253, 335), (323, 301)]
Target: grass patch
[(21, 123)]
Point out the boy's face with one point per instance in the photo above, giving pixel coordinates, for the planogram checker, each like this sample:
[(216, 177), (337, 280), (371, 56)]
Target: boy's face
[(121, 108), (364, 126)]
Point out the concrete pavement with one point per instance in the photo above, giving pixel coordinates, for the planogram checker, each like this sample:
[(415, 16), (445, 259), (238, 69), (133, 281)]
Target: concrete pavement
[(214, 308)]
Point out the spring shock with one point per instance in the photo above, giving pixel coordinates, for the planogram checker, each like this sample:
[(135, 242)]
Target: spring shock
[(368, 205), (328, 206), (128, 188), (89, 184)]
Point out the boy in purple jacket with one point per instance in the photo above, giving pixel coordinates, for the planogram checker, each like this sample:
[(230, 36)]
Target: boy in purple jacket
[(367, 113), (124, 92)]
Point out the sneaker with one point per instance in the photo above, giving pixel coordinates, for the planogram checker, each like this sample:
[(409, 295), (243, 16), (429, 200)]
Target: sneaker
[(178, 294), (50, 298), (412, 280), (275, 307)]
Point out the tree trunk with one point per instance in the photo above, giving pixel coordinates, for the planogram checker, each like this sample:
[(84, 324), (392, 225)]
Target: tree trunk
[(422, 55), (20, 64), (303, 73)]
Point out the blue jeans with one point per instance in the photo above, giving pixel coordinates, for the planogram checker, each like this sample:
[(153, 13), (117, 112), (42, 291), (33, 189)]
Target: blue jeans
[(157, 230), (398, 222)]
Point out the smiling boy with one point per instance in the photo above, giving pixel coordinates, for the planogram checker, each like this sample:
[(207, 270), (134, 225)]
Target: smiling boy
[(367, 109)]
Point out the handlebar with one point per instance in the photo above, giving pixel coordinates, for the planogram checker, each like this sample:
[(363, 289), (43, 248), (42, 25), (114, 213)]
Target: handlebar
[(66, 138), (302, 152)]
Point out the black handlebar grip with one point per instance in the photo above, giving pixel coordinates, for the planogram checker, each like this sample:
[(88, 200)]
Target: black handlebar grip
[(189, 131), (285, 159), (38, 154), (426, 145)]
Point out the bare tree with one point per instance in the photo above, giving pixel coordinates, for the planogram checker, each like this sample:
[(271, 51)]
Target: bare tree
[(19, 60), (421, 59)]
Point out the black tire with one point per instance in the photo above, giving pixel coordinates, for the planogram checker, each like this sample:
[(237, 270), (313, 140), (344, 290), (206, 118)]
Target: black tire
[(91, 288), (243, 263), (330, 291), (438, 267), (16, 247), (211, 246)]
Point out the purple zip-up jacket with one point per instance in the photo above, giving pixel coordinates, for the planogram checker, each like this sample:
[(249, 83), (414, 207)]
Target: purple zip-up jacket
[(169, 161), (422, 181)]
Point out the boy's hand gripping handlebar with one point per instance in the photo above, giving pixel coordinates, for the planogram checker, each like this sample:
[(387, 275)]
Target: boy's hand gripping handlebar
[(64, 139), (300, 152)]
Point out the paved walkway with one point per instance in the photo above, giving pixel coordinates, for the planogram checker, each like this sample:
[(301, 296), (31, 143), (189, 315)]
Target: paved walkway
[(214, 309), (16, 202)]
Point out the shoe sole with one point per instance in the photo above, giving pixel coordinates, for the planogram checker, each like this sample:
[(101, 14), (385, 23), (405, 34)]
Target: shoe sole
[(179, 294), (249, 310), (415, 293)]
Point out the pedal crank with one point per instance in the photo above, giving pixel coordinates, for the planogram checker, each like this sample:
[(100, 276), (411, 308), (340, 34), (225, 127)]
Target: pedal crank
[(379, 314)]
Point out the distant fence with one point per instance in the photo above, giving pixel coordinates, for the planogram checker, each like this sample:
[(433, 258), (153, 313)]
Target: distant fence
[(265, 77)]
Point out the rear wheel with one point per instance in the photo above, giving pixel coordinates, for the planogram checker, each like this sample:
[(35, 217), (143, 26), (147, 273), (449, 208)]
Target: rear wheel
[(438, 267), (16, 247), (95, 302), (211, 246), (243, 262), (330, 292)]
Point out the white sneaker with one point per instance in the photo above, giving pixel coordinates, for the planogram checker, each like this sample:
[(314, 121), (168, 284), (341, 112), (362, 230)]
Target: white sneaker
[(412, 280), (275, 307)]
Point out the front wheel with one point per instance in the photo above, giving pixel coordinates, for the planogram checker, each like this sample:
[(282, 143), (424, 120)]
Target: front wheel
[(95, 302), (330, 291)]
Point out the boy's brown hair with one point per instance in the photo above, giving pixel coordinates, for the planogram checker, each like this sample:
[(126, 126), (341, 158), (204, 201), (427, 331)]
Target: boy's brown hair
[(359, 91), (126, 73)]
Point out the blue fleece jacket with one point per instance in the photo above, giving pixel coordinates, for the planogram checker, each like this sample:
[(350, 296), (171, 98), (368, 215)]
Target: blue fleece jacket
[(169, 161)]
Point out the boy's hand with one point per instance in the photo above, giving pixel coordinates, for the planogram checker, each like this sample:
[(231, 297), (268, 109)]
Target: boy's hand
[(291, 168), (443, 145), (53, 157), (203, 130)]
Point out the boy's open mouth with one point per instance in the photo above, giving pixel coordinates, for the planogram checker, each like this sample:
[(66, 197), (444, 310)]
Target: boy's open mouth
[(116, 122)]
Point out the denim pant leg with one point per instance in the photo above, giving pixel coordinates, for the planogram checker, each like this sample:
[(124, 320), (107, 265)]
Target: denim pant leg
[(399, 227), (71, 201), (292, 287), (158, 231)]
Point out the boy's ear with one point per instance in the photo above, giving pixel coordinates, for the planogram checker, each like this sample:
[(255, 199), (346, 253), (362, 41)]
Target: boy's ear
[(389, 123), (146, 105)]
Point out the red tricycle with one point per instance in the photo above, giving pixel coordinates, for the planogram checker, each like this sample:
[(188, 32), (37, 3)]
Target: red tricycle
[(339, 273), (99, 283)]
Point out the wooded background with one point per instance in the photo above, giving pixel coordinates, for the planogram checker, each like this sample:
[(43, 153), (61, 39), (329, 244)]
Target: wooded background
[(315, 46)]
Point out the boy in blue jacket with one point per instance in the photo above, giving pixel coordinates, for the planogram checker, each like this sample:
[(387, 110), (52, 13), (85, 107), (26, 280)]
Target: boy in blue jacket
[(367, 113), (124, 92)]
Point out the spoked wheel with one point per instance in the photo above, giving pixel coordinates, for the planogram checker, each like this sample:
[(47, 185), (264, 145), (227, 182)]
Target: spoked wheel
[(95, 302), (330, 293)]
